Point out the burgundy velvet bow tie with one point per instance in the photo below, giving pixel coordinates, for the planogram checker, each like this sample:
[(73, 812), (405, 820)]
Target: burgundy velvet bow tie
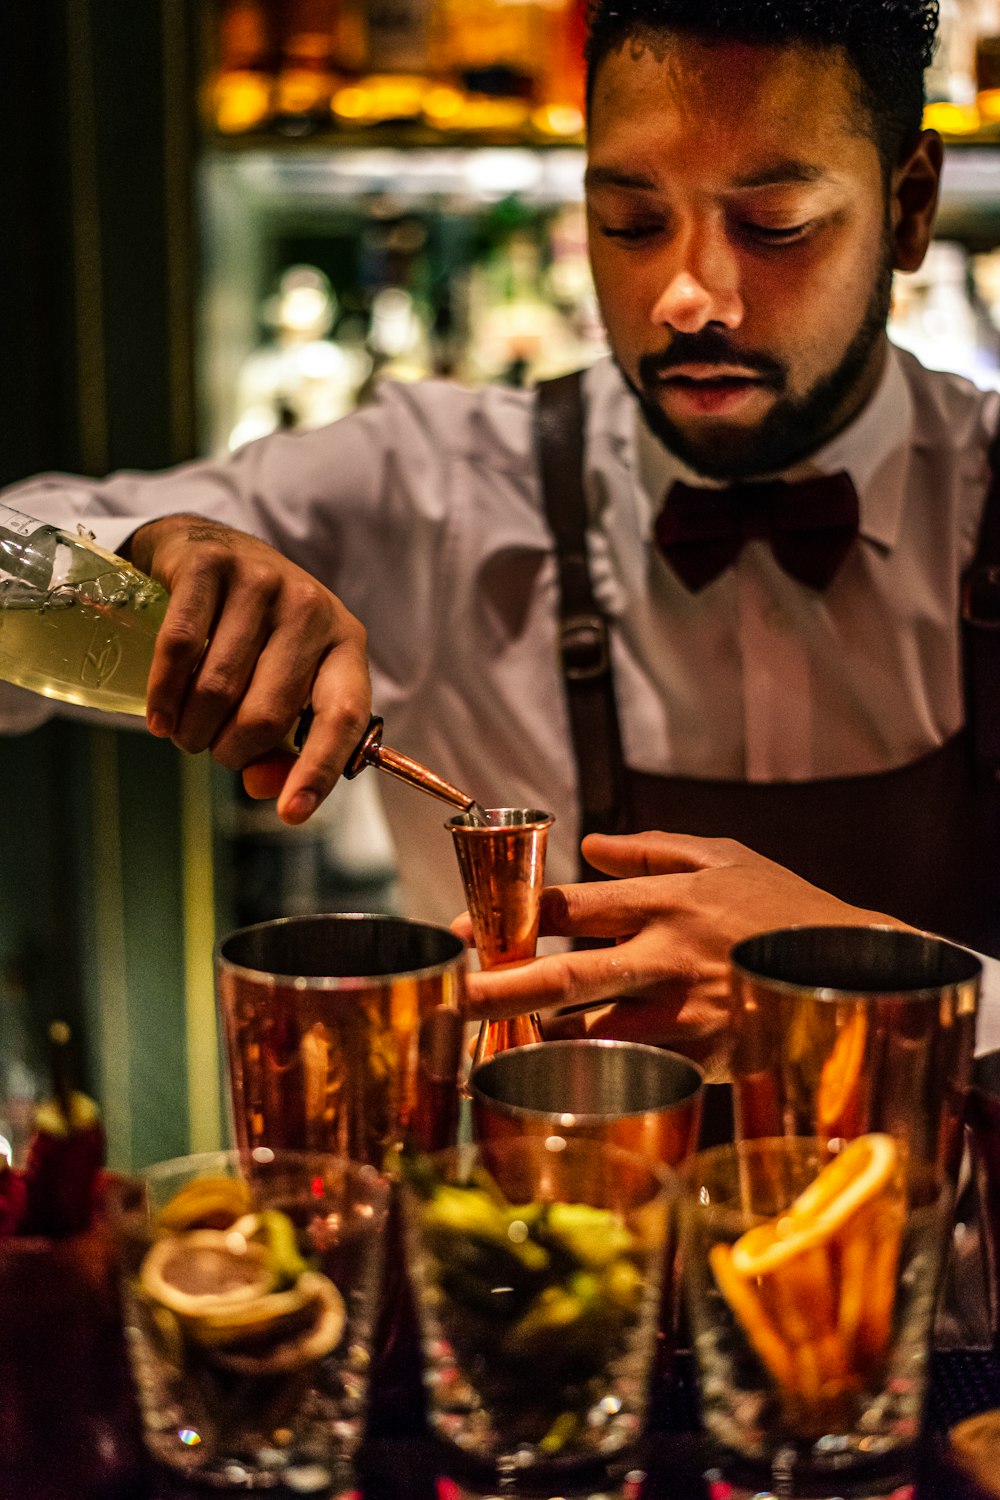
[(810, 526)]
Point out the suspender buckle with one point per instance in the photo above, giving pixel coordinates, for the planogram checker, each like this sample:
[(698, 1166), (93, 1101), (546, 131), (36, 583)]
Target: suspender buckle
[(583, 647)]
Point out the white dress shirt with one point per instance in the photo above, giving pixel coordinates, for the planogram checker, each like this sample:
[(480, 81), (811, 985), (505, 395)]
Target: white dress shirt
[(423, 512)]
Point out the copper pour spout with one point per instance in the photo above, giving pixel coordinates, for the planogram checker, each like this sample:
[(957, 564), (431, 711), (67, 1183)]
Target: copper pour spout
[(371, 752)]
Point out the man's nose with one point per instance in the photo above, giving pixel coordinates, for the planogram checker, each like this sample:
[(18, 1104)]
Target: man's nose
[(702, 289)]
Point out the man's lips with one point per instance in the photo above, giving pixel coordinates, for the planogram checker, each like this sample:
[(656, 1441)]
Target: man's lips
[(709, 375), (710, 390)]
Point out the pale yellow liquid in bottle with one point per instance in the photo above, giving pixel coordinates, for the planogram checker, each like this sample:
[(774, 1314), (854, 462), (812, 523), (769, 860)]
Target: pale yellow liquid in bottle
[(90, 639)]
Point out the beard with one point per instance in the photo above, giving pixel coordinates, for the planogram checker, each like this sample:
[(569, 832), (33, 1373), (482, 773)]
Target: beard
[(795, 426)]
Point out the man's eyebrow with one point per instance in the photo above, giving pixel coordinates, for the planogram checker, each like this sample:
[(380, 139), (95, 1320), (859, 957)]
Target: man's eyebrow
[(618, 177), (777, 174), (783, 174)]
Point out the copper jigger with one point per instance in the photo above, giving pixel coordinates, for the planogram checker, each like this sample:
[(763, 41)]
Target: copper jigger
[(502, 862), (633, 1096)]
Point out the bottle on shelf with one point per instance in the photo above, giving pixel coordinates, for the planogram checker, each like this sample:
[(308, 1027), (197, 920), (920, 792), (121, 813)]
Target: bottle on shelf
[(493, 54), (240, 90), (298, 377), (517, 332), (951, 77), (988, 60), (308, 64), (559, 114), (386, 51)]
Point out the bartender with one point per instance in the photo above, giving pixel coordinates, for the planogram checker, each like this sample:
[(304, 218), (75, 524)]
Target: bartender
[(776, 510)]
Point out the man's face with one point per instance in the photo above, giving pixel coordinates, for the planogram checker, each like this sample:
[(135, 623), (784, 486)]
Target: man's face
[(740, 241)]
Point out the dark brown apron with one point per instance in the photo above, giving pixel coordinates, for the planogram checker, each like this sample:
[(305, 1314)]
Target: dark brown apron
[(921, 843)]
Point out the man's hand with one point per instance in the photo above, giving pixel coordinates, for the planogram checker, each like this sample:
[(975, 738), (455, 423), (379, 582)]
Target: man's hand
[(681, 905), (276, 639)]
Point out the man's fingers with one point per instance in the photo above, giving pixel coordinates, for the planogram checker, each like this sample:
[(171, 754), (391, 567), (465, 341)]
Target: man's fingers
[(556, 979), (676, 1022), (341, 702), (656, 853), (601, 909), (462, 927), (180, 643)]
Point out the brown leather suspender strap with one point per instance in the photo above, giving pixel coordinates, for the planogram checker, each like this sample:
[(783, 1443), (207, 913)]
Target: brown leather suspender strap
[(584, 643), (981, 627)]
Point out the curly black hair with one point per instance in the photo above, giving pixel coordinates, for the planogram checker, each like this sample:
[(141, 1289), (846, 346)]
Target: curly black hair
[(889, 42)]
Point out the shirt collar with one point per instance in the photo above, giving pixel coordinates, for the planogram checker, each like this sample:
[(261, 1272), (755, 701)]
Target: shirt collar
[(874, 449)]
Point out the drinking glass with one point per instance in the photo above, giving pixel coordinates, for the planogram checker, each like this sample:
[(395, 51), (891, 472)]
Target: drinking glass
[(843, 1030), (537, 1270), (343, 1033), (251, 1289), (984, 1130), (811, 1300), (502, 863), (626, 1094)]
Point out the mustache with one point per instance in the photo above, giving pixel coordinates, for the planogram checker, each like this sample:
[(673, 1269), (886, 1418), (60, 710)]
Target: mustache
[(709, 347)]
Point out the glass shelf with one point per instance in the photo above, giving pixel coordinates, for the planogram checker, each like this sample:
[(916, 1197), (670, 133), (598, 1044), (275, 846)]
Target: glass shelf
[(277, 178), (280, 175)]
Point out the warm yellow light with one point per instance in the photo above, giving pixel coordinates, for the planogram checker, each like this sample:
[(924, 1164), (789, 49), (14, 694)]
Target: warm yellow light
[(442, 104), (563, 120), (351, 103), (241, 101), (300, 91), (483, 113), (952, 119), (988, 104), (380, 97)]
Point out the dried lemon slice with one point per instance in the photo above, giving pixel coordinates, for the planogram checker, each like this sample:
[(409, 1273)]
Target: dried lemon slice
[(239, 1321), (204, 1271), (284, 1354), (865, 1168), (206, 1203)]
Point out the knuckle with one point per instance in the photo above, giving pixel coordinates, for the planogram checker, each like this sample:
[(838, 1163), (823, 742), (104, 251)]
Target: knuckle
[(227, 757), (180, 639), (355, 718), (218, 684), (265, 724), (564, 979)]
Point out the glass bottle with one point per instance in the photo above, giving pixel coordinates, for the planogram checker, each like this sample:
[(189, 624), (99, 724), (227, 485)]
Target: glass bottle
[(386, 47), (494, 54), (559, 112), (988, 60), (241, 92), (76, 622), (306, 76)]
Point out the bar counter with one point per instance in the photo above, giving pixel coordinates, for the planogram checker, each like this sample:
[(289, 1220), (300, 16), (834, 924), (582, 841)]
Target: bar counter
[(400, 1462)]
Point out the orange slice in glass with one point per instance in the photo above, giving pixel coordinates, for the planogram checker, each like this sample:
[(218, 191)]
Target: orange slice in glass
[(865, 1168), (840, 1079)]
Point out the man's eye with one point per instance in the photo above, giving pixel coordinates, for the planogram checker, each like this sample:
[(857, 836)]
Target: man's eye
[(767, 234), (630, 231)]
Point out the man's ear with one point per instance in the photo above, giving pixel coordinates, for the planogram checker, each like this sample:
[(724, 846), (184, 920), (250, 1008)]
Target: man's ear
[(914, 200)]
